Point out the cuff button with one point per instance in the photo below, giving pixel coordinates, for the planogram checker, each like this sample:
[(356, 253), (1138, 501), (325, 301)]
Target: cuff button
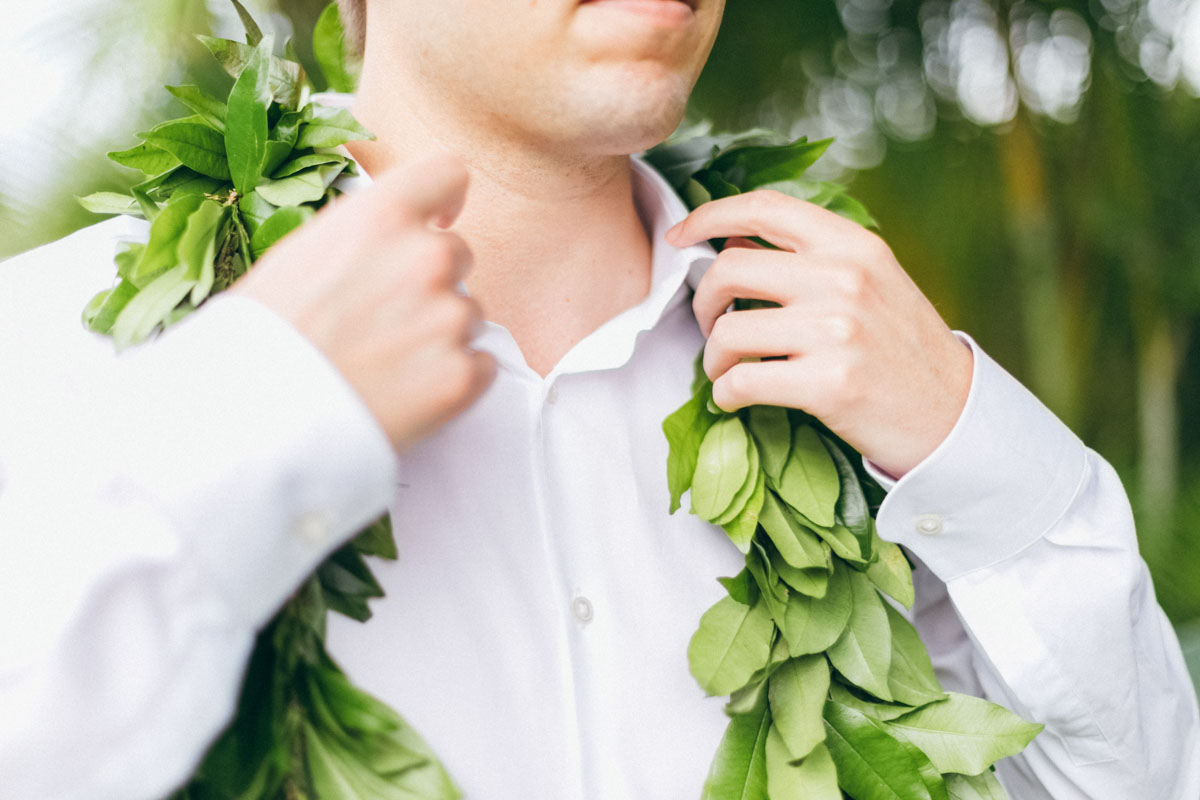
[(312, 527), (929, 524)]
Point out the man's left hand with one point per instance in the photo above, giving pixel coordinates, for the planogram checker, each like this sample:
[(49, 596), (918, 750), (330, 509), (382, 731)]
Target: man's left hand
[(866, 352)]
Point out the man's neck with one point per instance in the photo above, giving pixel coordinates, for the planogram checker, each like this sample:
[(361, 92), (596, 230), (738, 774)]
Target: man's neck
[(558, 244)]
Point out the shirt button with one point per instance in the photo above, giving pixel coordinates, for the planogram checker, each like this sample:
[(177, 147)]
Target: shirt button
[(929, 524), (552, 394), (312, 527), (581, 607)]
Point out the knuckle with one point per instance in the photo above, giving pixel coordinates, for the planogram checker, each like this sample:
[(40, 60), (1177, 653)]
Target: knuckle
[(844, 388), (843, 329), (722, 328), (431, 255), (767, 198), (854, 283), (876, 249), (735, 386)]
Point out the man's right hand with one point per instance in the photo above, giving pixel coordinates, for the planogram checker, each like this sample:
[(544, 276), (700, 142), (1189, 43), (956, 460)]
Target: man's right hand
[(372, 282)]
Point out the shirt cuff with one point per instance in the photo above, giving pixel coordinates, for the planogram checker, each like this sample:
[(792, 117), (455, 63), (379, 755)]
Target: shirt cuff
[(254, 447), (1007, 471)]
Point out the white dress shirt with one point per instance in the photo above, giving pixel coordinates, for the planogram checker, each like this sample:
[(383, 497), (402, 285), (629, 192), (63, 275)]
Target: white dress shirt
[(156, 508)]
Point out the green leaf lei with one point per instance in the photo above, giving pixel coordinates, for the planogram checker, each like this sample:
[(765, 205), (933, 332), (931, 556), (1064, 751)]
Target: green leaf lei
[(831, 692)]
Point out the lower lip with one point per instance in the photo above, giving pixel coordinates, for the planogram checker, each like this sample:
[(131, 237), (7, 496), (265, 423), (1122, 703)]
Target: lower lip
[(666, 12)]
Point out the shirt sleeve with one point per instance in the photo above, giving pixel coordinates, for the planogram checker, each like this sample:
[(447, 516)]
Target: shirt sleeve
[(1031, 592), (150, 523)]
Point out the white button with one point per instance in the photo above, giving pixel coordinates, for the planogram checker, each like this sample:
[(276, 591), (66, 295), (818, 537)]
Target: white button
[(581, 607), (929, 524), (552, 394), (312, 526)]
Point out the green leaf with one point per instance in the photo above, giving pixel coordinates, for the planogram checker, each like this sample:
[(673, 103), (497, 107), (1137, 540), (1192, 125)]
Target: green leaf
[(146, 158), (197, 146), (254, 34), (722, 468), (715, 184), (840, 539), (773, 593), (812, 625), (181, 181), (863, 653), (910, 678), (851, 509), (301, 163), (339, 65), (741, 587), (678, 161), (771, 429), (983, 786), (247, 130), (746, 699), (827, 195), (741, 528), (796, 544), (102, 311), (694, 194), (809, 482), (255, 211), (871, 764), (161, 251), (207, 107), (815, 778), (749, 166), (812, 581), (875, 710), (965, 734), (110, 203), (890, 571), (277, 226), (198, 246), (150, 307), (377, 539), (331, 127), (797, 696), (304, 187), (739, 768), (685, 430), (741, 499), (286, 77), (732, 642)]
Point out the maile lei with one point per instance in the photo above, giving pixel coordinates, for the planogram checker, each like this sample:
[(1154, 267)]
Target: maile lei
[(831, 692)]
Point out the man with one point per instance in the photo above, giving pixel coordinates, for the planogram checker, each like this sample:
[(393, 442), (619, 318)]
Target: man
[(537, 621)]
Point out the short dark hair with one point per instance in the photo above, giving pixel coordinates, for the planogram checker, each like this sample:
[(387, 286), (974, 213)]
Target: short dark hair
[(354, 18)]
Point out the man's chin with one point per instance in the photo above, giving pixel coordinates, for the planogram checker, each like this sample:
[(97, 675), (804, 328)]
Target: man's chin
[(631, 133)]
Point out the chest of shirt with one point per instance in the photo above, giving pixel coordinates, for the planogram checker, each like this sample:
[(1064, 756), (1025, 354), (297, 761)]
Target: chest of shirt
[(543, 601)]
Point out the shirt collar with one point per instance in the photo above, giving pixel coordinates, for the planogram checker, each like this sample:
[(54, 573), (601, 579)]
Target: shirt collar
[(674, 273)]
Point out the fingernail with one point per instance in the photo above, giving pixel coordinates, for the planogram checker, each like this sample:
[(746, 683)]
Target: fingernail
[(672, 236)]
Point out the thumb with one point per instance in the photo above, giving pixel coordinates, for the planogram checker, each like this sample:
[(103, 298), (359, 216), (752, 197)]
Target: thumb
[(433, 189)]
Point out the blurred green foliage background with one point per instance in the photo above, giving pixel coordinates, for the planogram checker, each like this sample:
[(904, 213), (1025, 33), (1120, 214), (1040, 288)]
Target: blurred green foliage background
[(1033, 164)]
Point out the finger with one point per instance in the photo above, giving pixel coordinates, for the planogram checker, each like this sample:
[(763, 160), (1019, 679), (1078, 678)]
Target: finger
[(438, 259), (775, 383), (761, 333), (431, 190), (752, 274), (783, 221)]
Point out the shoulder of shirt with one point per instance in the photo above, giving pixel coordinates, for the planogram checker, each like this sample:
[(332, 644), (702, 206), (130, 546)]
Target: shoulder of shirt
[(47, 288)]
